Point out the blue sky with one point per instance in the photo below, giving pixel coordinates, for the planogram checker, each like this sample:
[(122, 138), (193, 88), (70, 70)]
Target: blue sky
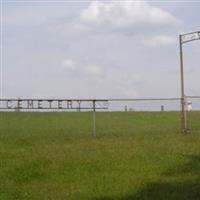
[(98, 49)]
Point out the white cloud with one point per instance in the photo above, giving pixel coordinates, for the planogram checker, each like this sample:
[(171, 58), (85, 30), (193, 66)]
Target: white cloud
[(89, 69), (69, 64), (123, 14), (94, 70), (161, 40)]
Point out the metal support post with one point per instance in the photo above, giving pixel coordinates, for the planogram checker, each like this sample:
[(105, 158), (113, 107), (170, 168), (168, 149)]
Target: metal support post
[(183, 113), (94, 118)]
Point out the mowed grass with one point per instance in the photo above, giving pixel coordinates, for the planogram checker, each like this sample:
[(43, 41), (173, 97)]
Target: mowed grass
[(135, 155)]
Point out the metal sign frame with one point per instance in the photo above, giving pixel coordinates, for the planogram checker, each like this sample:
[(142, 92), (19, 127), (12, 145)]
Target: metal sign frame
[(185, 38), (51, 104)]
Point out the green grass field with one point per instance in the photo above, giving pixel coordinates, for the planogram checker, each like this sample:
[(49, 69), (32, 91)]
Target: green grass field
[(53, 156)]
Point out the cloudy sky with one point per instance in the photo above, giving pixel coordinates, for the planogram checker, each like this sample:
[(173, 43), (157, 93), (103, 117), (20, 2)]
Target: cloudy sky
[(97, 49)]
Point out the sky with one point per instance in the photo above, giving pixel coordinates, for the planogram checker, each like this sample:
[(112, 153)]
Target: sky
[(97, 49)]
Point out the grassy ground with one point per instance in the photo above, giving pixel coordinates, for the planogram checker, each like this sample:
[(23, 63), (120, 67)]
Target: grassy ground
[(53, 156)]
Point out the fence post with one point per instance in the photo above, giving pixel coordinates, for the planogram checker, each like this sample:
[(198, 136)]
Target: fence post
[(94, 118)]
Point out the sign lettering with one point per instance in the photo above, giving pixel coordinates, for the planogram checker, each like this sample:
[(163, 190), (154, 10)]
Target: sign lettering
[(52, 104)]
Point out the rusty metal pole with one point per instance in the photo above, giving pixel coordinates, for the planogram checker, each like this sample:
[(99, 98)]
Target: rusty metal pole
[(183, 111)]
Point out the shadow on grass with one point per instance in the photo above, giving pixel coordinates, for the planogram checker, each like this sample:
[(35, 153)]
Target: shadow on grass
[(188, 189), (168, 191)]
